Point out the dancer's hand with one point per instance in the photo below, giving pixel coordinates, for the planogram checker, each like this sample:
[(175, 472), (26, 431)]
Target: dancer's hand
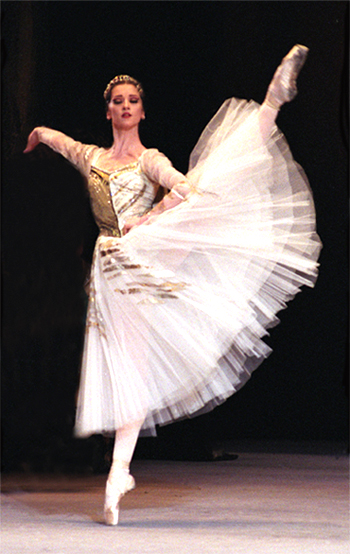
[(134, 222), (33, 141)]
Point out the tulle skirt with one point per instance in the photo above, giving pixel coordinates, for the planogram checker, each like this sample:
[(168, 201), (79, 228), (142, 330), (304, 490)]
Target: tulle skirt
[(178, 307)]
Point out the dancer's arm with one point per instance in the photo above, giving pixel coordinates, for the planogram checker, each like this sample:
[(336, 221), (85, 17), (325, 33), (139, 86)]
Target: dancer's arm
[(159, 169), (75, 152)]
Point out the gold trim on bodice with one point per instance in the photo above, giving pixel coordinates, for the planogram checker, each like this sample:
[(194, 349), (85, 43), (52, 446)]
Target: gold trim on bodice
[(119, 194), (101, 203)]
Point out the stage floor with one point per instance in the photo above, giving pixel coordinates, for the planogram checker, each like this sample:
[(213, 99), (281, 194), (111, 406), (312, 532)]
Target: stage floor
[(259, 503)]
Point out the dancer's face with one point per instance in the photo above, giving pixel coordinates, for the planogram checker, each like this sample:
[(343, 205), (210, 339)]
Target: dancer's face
[(125, 108)]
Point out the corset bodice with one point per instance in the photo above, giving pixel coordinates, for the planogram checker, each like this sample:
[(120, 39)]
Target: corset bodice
[(118, 195)]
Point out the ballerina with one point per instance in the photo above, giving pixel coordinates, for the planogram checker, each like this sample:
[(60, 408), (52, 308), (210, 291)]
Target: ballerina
[(181, 293)]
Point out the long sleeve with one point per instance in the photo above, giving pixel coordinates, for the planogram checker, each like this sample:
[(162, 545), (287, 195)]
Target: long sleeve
[(159, 169), (75, 152)]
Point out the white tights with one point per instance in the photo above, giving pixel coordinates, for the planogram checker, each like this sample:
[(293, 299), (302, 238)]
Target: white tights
[(267, 117), (125, 442)]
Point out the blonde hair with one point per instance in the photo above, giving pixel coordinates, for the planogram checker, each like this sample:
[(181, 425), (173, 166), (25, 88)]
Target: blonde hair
[(118, 80)]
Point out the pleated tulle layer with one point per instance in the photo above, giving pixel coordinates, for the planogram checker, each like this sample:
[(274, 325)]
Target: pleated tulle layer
[(178, 308)]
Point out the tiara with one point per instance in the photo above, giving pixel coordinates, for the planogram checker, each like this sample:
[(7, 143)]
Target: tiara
[(122, 79)]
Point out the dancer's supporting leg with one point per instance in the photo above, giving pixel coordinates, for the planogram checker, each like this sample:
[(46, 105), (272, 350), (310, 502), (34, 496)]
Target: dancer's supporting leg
[(282, 88), (119, 479)]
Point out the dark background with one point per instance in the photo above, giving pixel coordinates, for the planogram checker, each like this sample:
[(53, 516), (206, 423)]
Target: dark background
[(57, 58)]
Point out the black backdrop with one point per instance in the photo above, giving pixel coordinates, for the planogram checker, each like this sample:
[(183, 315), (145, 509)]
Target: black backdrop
[(57, 58)]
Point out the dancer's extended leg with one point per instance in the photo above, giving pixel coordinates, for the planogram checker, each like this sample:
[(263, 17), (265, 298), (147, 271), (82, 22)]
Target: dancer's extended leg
[(282, 88), (119, 479)]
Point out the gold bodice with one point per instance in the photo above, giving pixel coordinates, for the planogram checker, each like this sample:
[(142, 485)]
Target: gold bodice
[(118, 195)]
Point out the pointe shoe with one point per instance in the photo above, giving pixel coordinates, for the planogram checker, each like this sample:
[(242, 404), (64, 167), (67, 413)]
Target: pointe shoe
[(283, 87), (117, 486)]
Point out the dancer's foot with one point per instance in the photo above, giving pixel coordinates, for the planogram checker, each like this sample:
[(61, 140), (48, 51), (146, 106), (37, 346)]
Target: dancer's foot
[(119, 482), (283, 86)]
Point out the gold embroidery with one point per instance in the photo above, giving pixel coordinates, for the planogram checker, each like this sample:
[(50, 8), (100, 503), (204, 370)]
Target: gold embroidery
[(118, 171), (132, 200), (101, 203), (130, 266), (108, 232), (94, 317), (125, 168), (163, 290), (103, 174), (173, 286), (117, 263)]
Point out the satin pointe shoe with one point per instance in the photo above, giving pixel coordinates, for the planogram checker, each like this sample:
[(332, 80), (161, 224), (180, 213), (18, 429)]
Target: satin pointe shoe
[(283, 87), (119, 482)]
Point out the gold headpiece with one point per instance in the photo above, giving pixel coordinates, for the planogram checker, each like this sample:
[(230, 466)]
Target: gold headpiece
[(122, 79)]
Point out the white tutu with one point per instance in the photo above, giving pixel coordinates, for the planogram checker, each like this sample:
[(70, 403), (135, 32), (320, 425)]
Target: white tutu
[(179, 306)]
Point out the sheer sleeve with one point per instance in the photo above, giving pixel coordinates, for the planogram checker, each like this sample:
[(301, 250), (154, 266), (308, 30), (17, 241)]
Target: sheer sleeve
[(159, 169), (77, 153)]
